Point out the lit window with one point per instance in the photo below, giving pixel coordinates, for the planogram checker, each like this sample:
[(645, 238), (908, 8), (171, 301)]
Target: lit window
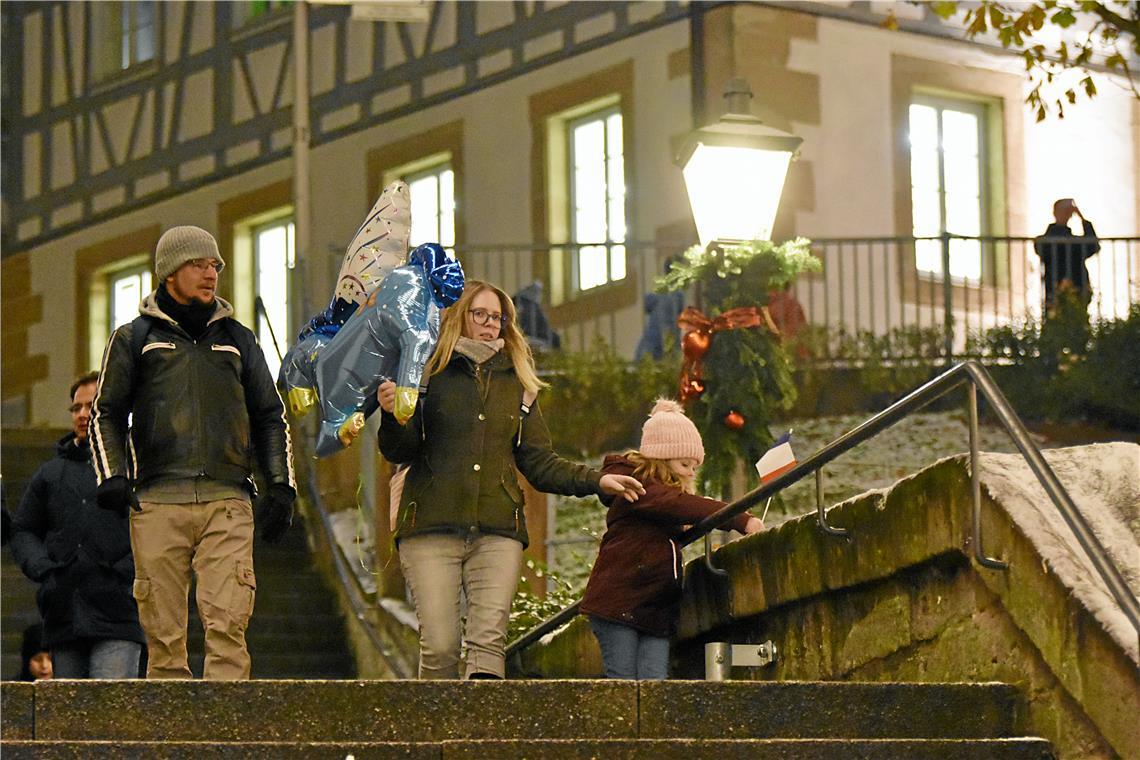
[(138, 27), (273, 258), (597, 197), (946, 183), (127, 288), (433, 206), (123, 35)]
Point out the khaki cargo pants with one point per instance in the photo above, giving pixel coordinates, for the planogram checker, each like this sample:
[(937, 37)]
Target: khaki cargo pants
[(214, 541)]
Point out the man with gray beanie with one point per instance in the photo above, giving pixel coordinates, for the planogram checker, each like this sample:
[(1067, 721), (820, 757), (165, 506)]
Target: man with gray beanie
[(185, 402)]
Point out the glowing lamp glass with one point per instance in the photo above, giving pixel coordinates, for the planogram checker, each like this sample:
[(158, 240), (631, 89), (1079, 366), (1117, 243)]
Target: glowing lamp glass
[(734, 191)]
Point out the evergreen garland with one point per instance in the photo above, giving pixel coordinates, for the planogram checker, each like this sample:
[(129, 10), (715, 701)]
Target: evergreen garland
[(747, 370)]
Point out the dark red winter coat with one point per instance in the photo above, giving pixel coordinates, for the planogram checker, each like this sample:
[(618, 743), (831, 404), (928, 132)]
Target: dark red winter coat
[(636, 580)]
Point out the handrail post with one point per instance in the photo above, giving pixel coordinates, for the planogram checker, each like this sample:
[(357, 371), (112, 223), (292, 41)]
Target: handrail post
[(708, 558), (976, 483), (947, 303), (820, 514)]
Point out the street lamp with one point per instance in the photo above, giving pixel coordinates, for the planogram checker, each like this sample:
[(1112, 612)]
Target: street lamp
[(734, 171)]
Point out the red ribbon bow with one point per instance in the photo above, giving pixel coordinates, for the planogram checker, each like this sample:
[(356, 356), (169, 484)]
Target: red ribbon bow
[(697, 333)]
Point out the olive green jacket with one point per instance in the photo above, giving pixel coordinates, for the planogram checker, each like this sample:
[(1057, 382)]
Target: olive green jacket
[(466, 444)]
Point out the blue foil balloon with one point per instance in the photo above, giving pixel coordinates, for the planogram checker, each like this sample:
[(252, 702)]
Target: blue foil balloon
[(392, 336)]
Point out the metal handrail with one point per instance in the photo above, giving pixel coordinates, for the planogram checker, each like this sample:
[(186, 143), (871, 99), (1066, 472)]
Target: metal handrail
[(969, 372)]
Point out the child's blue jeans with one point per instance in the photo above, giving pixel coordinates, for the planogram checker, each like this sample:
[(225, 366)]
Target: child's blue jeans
[(629, 653)]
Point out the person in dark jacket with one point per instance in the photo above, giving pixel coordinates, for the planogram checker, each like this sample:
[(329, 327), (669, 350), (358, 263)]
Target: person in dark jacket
[(1063, 254), (203, 405), (460, 524), (633, 595), (80, 556)]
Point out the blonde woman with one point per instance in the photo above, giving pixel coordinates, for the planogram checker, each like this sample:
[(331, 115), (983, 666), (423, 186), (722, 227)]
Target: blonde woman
[(460, 524)]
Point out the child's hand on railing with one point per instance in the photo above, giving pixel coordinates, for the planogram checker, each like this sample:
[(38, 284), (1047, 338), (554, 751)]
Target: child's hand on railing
[(754, 525)]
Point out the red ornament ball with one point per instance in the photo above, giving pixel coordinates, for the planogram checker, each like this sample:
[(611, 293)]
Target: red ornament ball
[(734, 420), (695, 344)]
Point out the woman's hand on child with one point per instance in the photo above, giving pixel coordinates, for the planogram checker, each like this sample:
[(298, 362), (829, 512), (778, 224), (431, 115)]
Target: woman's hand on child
[(627, 486), (754, 525), (386, 395)]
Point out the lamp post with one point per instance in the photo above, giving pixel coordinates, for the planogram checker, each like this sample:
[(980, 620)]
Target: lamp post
[(734, 171)]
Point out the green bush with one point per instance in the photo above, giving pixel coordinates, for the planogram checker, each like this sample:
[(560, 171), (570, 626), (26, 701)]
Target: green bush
[(1065, 368)]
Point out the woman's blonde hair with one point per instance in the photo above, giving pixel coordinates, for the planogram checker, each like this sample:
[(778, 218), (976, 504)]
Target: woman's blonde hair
[(514, 342), (645, 468)]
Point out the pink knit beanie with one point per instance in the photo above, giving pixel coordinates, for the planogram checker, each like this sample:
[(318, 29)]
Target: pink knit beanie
[(669, 434)]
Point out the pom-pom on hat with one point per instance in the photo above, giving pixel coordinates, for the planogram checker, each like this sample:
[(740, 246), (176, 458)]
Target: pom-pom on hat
[(181, 244), (669, 434)]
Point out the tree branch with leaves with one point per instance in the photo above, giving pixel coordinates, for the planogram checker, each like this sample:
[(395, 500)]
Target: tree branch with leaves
[(1105, 35)]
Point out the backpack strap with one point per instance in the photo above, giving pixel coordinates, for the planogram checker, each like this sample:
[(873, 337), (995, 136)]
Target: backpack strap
[(140, 329), (528, 399)]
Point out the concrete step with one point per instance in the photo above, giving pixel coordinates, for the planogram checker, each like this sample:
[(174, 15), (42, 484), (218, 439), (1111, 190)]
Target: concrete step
[(337, 711), (630, 749)]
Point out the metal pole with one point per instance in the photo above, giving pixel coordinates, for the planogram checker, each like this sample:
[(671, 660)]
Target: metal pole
[(718, 661), (976, 483), (947, 303), (302, 211)]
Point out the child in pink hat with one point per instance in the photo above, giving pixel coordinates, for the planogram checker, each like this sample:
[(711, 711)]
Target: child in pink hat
[(634, 591)]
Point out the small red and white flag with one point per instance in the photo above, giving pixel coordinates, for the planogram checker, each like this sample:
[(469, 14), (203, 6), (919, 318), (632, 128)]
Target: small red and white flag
[(777, 460)]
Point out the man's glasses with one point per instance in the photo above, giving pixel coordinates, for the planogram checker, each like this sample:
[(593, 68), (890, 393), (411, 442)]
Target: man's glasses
[(203, 264), (482, 317), (77, 408)]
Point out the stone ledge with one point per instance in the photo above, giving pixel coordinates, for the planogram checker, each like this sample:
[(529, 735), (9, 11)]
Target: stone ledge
[(17, 710)]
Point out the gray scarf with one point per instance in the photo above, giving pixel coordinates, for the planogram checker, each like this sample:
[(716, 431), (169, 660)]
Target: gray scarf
[(478, 351)]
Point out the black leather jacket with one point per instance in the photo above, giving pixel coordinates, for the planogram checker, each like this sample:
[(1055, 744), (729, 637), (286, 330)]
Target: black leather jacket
[(201, 407)]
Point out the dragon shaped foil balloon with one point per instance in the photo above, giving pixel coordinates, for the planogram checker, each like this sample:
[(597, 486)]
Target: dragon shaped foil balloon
[(391, 337)]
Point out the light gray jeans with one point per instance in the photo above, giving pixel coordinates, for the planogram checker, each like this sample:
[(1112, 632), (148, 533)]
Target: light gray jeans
[(437, 566), (101, 658)]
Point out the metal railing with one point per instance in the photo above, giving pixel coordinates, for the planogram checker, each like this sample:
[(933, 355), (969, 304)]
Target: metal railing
[(889, 287), (975, 377)]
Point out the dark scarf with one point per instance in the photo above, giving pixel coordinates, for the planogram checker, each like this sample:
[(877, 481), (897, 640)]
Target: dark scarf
[(192, 317)]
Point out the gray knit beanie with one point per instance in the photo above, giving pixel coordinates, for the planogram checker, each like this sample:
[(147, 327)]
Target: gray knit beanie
[(181, 244)]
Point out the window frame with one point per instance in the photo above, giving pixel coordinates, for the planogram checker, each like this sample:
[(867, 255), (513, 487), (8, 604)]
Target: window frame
[(256, 228), (105, 22), (1001, 94), (430, 166), (941, 103), (141, 268), (547, 110), (573, 122)]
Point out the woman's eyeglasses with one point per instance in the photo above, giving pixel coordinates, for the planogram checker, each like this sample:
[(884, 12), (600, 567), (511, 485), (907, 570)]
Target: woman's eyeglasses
[(203, 264), (482, 317)]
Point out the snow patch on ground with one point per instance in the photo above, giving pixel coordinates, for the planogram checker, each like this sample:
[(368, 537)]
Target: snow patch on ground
[(1104, 483)]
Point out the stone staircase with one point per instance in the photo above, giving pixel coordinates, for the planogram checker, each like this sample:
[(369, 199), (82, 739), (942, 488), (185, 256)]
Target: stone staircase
[(297, 631), (513, 719)]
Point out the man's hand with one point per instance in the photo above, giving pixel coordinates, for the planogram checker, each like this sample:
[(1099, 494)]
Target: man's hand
[(754, 525), (627, 486), (273, 512), (115, 494)]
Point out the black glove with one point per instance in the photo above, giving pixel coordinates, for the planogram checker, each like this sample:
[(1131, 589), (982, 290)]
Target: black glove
[(116, 494), (273, 512)]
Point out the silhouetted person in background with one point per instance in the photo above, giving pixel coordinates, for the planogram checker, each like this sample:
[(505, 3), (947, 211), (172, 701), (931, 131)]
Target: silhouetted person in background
[(532, 320), (1063, 254), (661, 312)]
